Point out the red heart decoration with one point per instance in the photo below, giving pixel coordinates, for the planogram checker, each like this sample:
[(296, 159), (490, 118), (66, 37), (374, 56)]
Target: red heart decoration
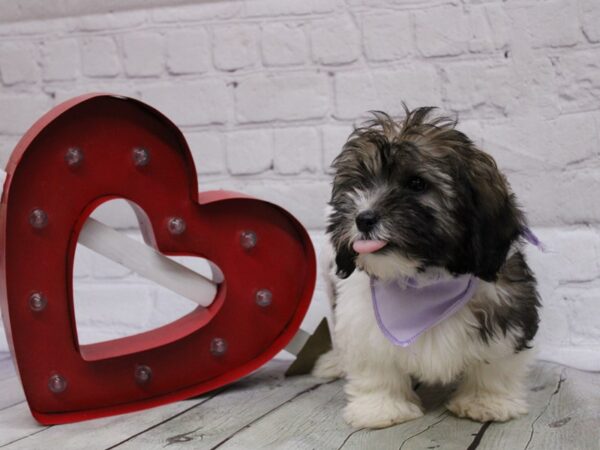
[(65, 381)]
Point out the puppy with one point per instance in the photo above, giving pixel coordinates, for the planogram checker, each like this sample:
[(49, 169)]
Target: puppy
[(426, 274)]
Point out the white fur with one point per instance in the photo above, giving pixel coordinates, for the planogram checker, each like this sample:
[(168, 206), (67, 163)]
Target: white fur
[(378, 373)]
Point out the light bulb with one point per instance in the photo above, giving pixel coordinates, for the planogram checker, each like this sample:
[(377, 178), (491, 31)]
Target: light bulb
[(37, 301), (248, 239), (141, 157), (264, 298), (143, 374), (176, 225), (57, 384), (38, 218), (218, 346)]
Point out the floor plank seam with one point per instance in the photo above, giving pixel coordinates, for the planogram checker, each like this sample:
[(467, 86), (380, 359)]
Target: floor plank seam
[(248, 425), (561, 379), (167, 420), (444, 415), (24, 437), (11, 405), (348, 437), (479, 436)]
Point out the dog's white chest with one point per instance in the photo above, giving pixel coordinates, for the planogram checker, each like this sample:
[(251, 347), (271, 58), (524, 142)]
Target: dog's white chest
[(440, 354)]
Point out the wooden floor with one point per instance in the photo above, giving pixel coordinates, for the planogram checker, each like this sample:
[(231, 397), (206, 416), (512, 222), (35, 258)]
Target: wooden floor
[(266, 410)]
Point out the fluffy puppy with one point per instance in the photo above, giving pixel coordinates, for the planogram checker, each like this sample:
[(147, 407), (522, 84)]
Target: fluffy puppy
[(420, 201)]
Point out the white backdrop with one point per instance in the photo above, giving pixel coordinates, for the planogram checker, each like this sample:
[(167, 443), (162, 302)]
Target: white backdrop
[(267, 90)]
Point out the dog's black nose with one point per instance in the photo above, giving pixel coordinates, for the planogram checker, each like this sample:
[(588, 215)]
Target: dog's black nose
[(366, 220)]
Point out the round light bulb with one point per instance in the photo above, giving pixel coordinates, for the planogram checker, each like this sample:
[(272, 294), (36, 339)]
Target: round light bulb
[(37, 301), (176, 225), (38, 218), (57, 384), (74, 157), (248, 239), (264, 298), (141, 157), (218, 346), (143, 374)]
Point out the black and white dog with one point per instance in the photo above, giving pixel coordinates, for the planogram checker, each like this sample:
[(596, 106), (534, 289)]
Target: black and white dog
[(426, 274)]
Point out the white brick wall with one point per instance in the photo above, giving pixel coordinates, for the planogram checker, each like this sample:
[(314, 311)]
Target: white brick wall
[(266, 92)]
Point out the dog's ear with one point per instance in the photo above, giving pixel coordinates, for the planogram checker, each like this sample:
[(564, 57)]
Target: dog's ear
[(345, 262), (493, 220)]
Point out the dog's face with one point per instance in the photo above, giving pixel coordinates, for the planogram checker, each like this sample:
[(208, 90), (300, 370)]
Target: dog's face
[(416, 195)]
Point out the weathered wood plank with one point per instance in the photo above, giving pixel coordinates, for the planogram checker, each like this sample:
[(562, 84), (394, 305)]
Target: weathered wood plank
[(94, 434), (309, 421), (404, 434), (442, 430), (17, 423), (7, 369), (11, 392), (456, 433), (265, 410), (210, 424), (572, 417), (543, 381)]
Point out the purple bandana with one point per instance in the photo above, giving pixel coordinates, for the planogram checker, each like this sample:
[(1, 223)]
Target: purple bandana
[(405, 307)]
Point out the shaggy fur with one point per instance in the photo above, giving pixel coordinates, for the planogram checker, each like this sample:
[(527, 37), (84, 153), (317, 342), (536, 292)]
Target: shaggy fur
[(441, 205)]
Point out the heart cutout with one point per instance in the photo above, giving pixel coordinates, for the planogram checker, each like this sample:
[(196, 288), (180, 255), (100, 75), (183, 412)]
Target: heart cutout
[(79, 155), (102, 280)]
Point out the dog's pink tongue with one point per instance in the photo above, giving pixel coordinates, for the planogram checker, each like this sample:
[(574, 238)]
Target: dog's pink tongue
[(368, 246)]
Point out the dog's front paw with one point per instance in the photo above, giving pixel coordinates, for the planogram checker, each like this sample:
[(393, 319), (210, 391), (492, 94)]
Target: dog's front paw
[(487, 407), (379, 411), (328, 366)]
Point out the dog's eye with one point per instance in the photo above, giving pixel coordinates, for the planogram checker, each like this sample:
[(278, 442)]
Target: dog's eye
[(416, 184)]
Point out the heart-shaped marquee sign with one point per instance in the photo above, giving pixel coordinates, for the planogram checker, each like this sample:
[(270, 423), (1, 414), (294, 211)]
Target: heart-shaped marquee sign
[(100, 147)]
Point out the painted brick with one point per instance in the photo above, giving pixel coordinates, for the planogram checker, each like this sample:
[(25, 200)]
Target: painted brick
[(532, 144), (578, 80), (293, 198), (100, 57), (582, 310), (293, 96), (112, 305), (102, 22), (200, 102), (590, 15), (435, 35), (572, 254), (283, 44), (18, 63), (208, 149), (143, 54), (296, 150), (7, 145), (188, 51), (249, 151), (235, 46), (554, 198), (387, 37), (225, 9), (528, 93), (334, 41), (487, 88), (61, 60), (489, 26), (258, 8), (361, 91), (553, 23), (19, 112)]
